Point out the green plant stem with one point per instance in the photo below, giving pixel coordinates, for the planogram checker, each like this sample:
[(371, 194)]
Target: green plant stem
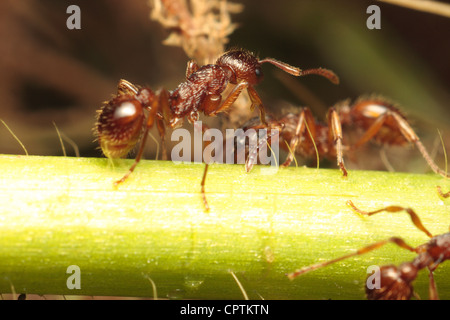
[(59, 211)]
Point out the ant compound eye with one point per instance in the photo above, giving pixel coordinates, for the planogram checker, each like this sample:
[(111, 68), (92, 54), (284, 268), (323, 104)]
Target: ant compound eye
[(258, 72)]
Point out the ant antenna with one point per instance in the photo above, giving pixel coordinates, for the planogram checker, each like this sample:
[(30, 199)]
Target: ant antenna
[(283, 66), (441, 193), (330, 75)]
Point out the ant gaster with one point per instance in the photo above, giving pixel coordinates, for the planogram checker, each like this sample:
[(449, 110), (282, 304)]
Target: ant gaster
[(121, 121), (379, 119), (396, 281)]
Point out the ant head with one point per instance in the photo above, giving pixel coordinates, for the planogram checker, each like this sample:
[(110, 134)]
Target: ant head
[(393, 283), (119, 125), (242, 66)]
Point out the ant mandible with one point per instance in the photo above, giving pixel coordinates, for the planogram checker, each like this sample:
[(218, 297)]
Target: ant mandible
[(396, 281), (120, 120), (379, 118)]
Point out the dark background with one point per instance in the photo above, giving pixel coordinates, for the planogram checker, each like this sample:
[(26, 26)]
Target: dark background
[(49, 73)]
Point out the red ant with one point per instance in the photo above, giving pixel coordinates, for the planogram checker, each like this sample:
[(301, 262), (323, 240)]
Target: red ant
[(121, 120), (380, 119), (396, 281)]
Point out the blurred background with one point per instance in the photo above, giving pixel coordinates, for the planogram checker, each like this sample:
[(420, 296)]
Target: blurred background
[(51, 74)]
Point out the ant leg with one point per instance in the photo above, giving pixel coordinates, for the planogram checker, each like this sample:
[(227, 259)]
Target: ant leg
[(398, 241), (299, 131), (163, 105), (137, 159), (335, 135), (371, 132), (161, 100), (442, 194), (230, 99), (410, 135), (256, 101), (202, 184), (205, 202), (414, 217), (407, 132), (211, 104), (253, 152), (162, 131), (432, 288)]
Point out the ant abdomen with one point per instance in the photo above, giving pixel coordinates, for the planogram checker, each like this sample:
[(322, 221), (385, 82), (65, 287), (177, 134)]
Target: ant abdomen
[(119, 126)]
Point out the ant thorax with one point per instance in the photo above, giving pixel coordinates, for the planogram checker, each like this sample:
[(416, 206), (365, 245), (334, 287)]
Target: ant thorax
[(189, 95)]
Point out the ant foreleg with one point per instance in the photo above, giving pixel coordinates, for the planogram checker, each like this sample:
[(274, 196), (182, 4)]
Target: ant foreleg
[(398, 241), (229, 100), (414, 217), (213, 107), (256, 101)]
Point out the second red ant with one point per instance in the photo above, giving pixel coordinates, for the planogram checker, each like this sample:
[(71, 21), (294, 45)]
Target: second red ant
[(122, 123), (379, 119), (396, 281)]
